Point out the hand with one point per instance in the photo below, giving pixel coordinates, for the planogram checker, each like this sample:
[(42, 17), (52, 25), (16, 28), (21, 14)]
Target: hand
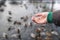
[(40, 18)]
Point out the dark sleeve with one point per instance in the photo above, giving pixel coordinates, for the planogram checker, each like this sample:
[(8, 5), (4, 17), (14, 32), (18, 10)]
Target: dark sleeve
[(56, 18)]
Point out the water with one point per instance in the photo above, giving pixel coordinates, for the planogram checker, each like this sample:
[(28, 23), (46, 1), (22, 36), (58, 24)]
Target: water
[(17, 12)]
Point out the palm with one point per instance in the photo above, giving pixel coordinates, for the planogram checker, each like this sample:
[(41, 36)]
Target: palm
[(40, 18)]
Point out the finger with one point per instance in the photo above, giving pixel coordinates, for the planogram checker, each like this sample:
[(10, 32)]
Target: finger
[(40, 14), (37, 15), (33, 18)]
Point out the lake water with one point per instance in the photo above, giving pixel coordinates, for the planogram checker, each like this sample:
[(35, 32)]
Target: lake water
[(17, 12)]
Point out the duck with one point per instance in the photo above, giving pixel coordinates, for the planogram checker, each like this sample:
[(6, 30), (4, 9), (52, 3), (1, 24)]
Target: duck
[(38, 30), (48, 34), (5, 35), (55, 33), (32, 35), (10, 13)]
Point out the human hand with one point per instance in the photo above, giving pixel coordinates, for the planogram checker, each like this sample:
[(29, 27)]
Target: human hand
[(40, 18)]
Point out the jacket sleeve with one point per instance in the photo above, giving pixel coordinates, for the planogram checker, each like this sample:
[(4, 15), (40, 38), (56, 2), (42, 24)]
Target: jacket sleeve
[(56, 18)]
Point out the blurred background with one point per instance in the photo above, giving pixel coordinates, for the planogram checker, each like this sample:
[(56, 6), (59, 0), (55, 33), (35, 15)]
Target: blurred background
[(16, 14)]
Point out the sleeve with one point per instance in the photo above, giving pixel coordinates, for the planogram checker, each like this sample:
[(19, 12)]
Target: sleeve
[(56, 17), (50, 17)]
